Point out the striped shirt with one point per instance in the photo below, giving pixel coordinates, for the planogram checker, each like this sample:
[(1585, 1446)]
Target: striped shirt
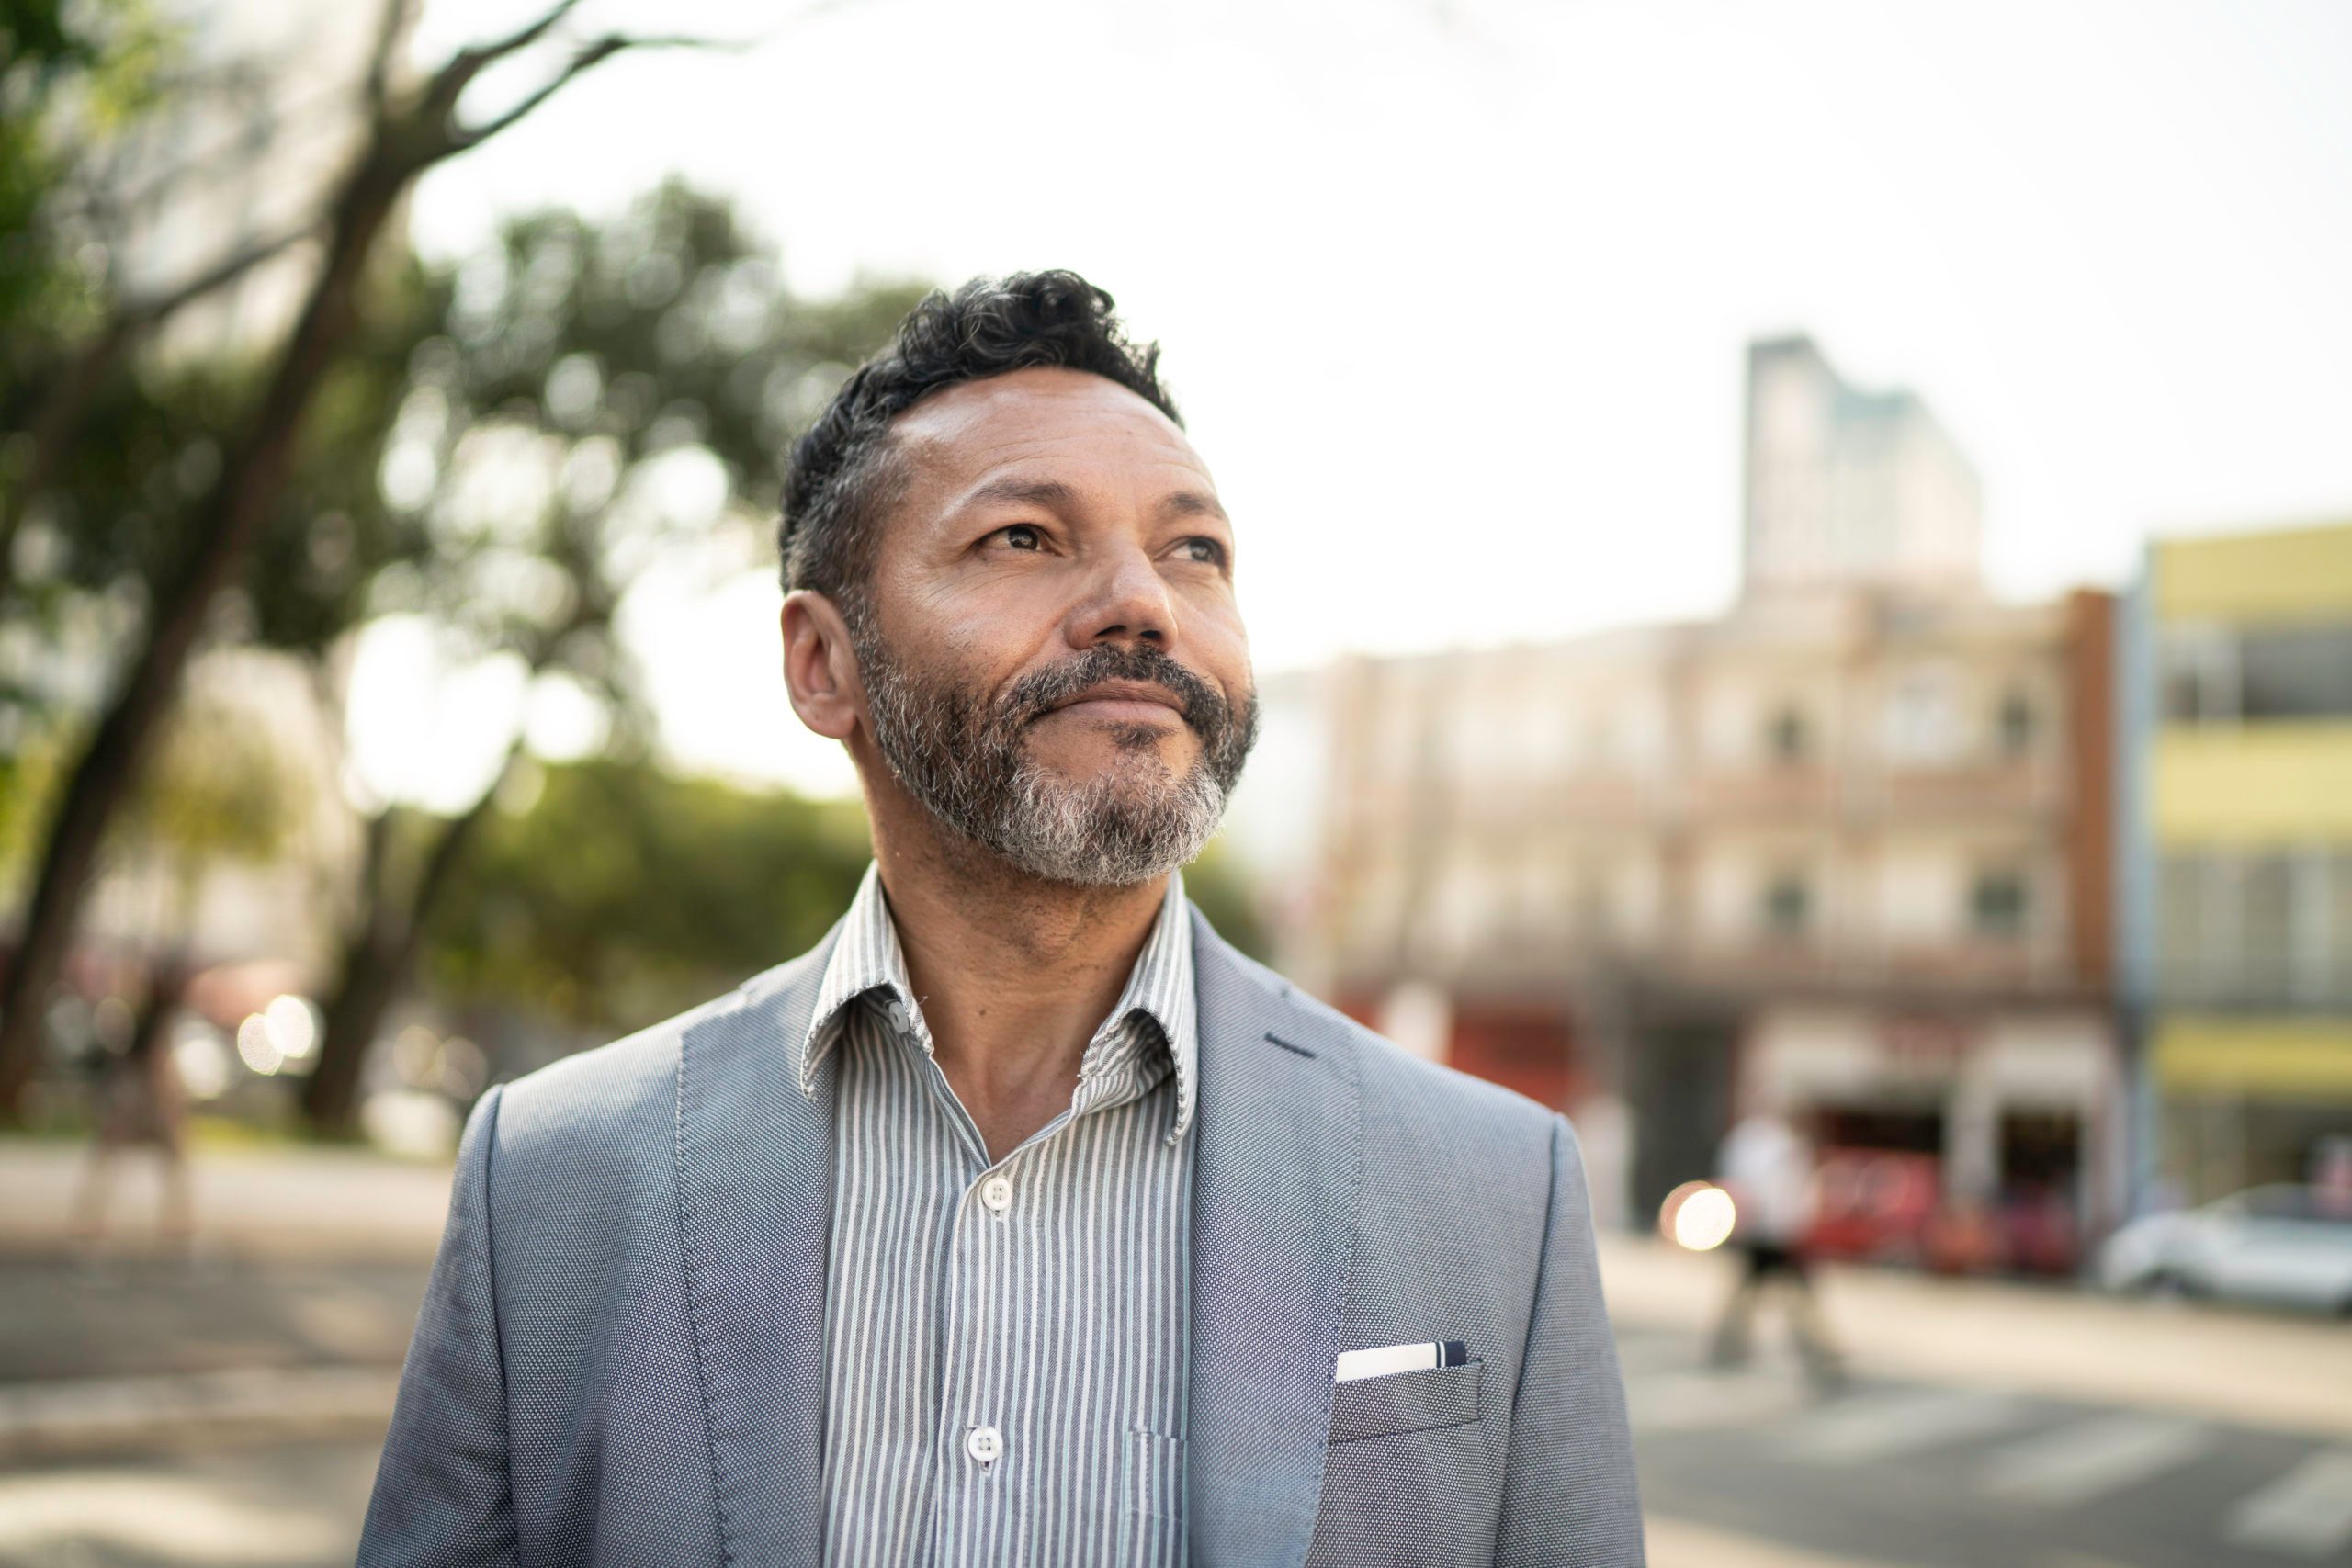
[(1005, 1341)]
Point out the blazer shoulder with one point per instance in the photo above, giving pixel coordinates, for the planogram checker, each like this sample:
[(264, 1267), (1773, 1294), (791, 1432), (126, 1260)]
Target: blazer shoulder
[(628, 1085)]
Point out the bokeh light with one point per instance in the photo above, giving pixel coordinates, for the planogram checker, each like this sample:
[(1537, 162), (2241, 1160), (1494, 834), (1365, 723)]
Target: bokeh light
[(1698, 1216)]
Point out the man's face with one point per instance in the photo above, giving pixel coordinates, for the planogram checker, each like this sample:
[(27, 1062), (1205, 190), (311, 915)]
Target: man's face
[(1053, 662)]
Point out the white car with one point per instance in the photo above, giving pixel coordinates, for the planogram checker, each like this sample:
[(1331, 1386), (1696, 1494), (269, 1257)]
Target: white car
[(2286, 1244)]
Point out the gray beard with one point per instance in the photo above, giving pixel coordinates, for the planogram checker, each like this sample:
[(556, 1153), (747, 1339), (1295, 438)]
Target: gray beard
[(973, 770)]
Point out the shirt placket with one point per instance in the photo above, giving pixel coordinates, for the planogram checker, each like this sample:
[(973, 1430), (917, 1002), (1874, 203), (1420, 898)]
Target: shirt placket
[(984, 1448), (980, 1452)]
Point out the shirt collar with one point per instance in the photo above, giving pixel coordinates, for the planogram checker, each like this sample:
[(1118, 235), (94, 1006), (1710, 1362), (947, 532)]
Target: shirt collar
[(868, 957)]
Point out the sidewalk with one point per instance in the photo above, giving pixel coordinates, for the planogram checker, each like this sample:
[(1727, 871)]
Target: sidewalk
[(292, 1322), (316, 1204), (2286, 1372)]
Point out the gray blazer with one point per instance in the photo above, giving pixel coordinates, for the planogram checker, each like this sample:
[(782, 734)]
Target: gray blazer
[(618, 1357)]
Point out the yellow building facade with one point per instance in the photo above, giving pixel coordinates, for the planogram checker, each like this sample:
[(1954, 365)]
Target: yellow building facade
[(2238, 899)]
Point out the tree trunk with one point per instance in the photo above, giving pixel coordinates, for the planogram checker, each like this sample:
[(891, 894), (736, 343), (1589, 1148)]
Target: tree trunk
[(220, 529), (375, 966)]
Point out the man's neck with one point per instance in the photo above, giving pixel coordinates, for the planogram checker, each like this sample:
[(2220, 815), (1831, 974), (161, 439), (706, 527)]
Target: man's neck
[(1013, 973)]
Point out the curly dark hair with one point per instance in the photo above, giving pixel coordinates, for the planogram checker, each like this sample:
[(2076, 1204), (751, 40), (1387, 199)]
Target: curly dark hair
[(839, 480)]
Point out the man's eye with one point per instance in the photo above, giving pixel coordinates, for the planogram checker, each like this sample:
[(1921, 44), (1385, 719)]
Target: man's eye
[(1202, 549), (1022, 536)]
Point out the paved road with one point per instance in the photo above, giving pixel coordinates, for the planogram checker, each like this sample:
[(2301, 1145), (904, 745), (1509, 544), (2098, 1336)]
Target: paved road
[(1895, 1472), (284, 1504), (1738, 1469), (136, 1316)]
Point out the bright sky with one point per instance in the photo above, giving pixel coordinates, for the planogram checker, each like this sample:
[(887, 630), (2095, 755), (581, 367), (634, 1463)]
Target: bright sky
[(1454, 293)]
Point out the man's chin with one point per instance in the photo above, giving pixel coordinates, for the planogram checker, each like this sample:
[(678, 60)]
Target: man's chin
[(1112, 755)]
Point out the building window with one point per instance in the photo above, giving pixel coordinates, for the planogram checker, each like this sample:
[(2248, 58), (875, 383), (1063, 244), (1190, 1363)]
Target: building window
[(1998, 904), (2260, 929), (2224, 675), (2013, 724), (2296, 672), (1788, 905), (1922, 717), (2199, 670), (1785, 740)]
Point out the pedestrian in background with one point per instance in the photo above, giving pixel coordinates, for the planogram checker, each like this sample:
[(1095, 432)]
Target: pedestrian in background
[(1767, 1165), (140, 1102)]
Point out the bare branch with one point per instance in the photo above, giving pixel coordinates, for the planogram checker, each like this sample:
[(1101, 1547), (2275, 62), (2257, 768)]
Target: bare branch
[(93, 192), (142, 312), (602, 49), (456, 77), (66, 402), (531, 33)]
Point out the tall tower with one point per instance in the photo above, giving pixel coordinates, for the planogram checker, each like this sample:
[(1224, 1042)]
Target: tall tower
[(1850, 489)]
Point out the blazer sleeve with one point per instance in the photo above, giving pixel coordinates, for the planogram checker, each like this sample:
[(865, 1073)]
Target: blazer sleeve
[(442, 1498), (1569, 1496)]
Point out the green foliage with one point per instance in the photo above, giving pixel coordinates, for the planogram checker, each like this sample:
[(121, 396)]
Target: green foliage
[(32, 773), (331, 536), (617, 894), (74, 75), (1218, 884), (593, 399), (218, 789), (622, 894)]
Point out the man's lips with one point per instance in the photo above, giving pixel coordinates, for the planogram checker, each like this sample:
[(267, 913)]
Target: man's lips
[(1123, 702)]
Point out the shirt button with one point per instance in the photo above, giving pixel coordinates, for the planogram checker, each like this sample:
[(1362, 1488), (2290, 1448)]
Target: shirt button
[(984, 1443), (996, 1193)]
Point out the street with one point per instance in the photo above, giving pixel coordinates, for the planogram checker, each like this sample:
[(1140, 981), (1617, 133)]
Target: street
[(155, 1417), (1895, 1472)]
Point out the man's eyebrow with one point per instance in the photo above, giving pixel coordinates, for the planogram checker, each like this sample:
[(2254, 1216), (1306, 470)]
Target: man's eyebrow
[(1024, 493), (1191, 504), (1054, 494)]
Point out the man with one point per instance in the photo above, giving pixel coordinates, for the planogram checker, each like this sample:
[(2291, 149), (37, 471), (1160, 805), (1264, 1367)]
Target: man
[(1021, 1220), (1765, 1164)]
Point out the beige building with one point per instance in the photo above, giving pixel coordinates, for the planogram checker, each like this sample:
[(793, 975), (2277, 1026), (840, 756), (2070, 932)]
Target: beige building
[(1847, 847)]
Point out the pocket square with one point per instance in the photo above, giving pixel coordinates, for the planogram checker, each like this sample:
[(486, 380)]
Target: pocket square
[(1382, 1360)]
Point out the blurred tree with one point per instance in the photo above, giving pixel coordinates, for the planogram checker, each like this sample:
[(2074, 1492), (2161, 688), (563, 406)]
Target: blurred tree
[(72, 75), (219, 790), (1218, 884), (596, 399), (574, 903), (617, 894), (410, 127)]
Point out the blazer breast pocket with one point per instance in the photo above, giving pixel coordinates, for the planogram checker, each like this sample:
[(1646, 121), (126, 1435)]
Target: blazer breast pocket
[(1405, 1402)]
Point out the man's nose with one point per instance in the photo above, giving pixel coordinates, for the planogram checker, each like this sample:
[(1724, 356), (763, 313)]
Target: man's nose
[(1130, 603)]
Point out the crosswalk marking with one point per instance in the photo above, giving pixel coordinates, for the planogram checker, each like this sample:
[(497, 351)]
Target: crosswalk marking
[(2087, 1459), (1695, 1402), (2305, 1513), (1898, 1424)]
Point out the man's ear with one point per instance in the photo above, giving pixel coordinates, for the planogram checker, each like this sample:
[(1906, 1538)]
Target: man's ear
[(819, 666)]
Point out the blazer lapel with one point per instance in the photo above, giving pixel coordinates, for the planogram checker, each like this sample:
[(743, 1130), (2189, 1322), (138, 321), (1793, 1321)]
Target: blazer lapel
[(1275, 1186), (754, 1211)]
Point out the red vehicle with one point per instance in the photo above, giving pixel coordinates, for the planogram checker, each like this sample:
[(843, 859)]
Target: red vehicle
[(1875, 1203)]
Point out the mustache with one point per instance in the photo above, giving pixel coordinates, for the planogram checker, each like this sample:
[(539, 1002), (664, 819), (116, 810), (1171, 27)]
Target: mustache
[(1200, 705)]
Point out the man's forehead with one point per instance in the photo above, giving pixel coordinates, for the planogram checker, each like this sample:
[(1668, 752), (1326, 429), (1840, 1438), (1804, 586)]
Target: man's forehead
[(1047, 415)]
